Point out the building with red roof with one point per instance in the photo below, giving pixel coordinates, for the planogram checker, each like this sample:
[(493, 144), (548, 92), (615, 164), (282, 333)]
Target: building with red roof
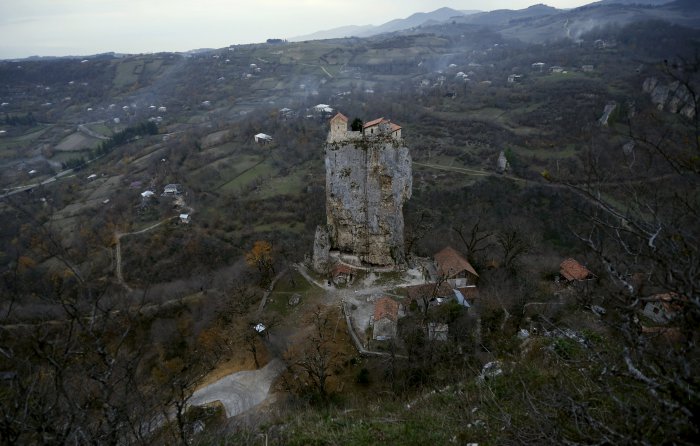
[(572, 271), (451, 265)]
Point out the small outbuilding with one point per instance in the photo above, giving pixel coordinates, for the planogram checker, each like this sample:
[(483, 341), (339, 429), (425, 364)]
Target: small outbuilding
[(572, 271), (262, 138), (342, 274), (172, 189), (385, 319), (662, 308)]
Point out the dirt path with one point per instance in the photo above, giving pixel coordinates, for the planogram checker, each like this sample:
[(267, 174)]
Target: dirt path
[(240, 391), (263, 301), (118, 249)]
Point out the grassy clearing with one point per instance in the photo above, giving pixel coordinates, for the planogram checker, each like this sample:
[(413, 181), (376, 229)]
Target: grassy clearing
[(291, 283), (268, 83), (125, 74), (76, 142), (261, 170), (23, 140), (100, 128), (104, 188), (292, 184)]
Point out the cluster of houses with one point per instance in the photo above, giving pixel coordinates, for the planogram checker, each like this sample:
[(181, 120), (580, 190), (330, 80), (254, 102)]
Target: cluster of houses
[(450, 278)]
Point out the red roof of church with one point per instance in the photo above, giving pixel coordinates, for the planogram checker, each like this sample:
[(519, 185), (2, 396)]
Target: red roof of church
[(373, 123)]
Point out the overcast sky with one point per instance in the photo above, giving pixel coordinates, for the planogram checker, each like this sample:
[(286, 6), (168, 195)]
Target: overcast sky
[(83, 27)]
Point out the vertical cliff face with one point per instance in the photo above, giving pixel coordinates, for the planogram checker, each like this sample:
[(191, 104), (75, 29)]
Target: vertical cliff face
[(367, 182)]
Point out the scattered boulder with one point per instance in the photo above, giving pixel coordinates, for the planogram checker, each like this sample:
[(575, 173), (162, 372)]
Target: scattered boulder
[(294, 300), (609, 109), (674, 97), (491, 370)]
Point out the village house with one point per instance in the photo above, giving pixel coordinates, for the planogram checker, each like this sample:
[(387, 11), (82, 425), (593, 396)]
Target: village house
[(184, 218), (662, 308), (538, 66), (572, 271), (437, 294), (385, 319), (322, 109), (457, 270), (172, 189), (262, 138), (513, 78), (286, 113), (432, 293), (342, 274)]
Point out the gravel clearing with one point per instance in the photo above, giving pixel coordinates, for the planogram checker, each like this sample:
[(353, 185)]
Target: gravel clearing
[(240, 391)]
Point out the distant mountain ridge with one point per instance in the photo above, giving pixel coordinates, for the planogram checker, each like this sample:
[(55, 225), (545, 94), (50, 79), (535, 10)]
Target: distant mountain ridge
[(412, 21), (635, 2), (536, 23)]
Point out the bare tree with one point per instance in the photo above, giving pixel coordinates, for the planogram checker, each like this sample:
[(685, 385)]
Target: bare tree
[(475, 241), (641, 219), (316, 357), (513, 245)]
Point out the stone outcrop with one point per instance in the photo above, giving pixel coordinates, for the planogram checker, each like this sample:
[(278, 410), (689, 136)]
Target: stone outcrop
[(609, 108), (322, 247), (368, 179), (674, 97)]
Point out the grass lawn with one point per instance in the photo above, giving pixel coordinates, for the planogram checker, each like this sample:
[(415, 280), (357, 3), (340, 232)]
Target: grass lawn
[(23, 140), (288, 285), (262, 169), (292, 184), (125, 73), (75, 142)]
